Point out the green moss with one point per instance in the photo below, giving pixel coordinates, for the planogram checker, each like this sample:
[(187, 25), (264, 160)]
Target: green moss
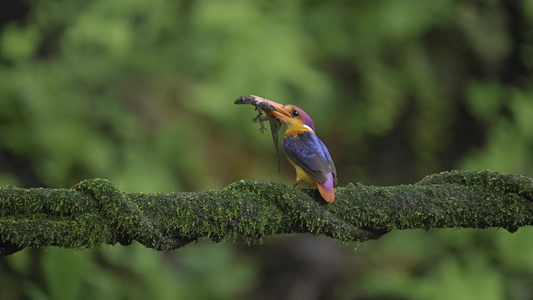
[(95, 212)]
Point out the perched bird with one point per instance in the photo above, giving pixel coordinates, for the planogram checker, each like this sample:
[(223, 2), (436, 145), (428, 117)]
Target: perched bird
[(304, 150)]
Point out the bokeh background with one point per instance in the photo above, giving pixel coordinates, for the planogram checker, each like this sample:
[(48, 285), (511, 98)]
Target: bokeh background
[(141, 93)]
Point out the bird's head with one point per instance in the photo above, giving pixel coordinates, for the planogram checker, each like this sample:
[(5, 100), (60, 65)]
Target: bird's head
[(293, 116)]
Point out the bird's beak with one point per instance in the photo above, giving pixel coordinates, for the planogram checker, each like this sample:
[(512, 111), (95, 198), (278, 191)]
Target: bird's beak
[(280, 112)]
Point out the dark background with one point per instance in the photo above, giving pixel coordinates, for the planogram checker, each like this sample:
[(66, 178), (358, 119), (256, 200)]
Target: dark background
[(141, 93)]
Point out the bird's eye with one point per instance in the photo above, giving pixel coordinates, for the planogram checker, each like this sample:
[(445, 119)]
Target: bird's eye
[(295, 113)]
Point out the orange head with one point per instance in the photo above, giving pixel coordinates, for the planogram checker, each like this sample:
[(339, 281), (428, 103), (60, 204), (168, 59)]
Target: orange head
[(293, 116)]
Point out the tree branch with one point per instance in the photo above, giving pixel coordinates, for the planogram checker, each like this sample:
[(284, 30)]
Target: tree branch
[(95, 212)]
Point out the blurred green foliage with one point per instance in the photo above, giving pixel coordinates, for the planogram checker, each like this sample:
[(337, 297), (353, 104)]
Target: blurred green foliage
[(141, 93)]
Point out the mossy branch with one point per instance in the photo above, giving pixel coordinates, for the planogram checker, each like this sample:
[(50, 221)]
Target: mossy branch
[(95, 212)]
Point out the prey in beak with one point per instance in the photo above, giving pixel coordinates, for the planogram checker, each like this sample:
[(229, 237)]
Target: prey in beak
[(267, 111)]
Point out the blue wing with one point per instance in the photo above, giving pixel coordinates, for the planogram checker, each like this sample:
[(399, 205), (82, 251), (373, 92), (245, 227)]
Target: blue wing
[(309, 152)]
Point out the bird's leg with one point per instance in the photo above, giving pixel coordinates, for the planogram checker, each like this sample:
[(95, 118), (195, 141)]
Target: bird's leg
[(296, 183)]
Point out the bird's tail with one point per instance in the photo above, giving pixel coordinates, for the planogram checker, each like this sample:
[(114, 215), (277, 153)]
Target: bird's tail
[(326, 189)]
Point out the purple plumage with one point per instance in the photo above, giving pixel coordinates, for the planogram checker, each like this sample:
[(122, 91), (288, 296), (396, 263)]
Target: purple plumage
[(309, 152)]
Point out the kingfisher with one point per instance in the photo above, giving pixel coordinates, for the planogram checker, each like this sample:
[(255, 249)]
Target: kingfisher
[(304, 150)]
